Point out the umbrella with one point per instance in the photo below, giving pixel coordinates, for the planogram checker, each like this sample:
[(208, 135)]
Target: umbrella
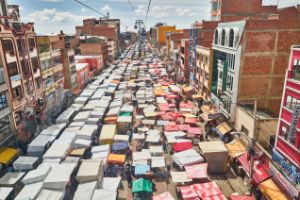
[(141, 185)]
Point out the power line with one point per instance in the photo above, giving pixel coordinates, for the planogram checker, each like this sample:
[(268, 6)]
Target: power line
[(147, 11), (132, 8), (87, 6)]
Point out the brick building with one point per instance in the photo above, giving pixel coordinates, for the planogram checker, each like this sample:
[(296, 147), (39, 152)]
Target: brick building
[(21, 76), (249, 60), (286, 154)]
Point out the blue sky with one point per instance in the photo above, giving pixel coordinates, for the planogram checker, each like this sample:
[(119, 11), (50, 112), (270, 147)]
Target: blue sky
[(51, 16)]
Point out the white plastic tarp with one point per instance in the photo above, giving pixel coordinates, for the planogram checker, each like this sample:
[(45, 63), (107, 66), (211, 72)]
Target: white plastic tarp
[(111, 183), (180, 177), (104, 195), (30, 191), (51, 195), (89, 170), (5, 192), (81, 100), (100, 148), (36, 175), (85, 191), (58, 150), (11, 178), (113, 111), (121, 138), (25, 163), (39, 143), (158, 162), (54, 130), (187, 157), (82, 116), (59, 176)]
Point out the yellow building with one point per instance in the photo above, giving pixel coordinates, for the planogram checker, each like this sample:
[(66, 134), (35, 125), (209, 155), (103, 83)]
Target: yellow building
[(161, 34)]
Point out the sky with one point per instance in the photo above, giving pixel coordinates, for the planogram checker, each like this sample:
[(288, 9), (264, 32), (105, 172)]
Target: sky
[(51, 16)]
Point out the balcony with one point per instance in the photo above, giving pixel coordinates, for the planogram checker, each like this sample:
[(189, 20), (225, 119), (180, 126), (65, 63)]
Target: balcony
[(57, 68), (56, 53), (10, 56), (33, 52), (15, 80), (37, 73)]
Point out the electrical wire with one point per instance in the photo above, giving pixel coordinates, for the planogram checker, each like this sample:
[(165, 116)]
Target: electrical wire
[(87, 6), (132, 8), (147, 11)]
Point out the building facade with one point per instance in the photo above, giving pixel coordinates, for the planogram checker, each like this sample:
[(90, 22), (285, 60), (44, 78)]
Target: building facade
[(21, 68), (286, 154)]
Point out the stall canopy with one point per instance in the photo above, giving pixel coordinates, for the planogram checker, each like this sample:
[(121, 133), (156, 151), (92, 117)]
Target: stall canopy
[(119, 146), (141, 185), (187, 157), (180, 177), (116, 158), (208, 189), (189, 192), (197, 171), (142, 169), (163, 196), (223, 128), (260, 168), (182, 146), (270, 190), (7, 155), (235, 148), (194, 131)]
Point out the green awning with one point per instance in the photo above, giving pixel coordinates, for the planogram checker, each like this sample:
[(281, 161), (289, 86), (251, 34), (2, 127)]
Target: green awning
[(125, 114), (141, 185)]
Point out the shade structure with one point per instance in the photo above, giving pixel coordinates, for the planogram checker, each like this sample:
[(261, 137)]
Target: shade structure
[(119, 146), (216, 197), (171, 127), (163, 196), (164, 107), (189, 193), (142, 169), (116, 158), (182, 146), (207, 189), (260, 168), (194, 131), (235, 148), (196, 171), (270, 190), (240, 197), (180, 177), (141, 185), (184, 127), (190, 120), (7, 155)]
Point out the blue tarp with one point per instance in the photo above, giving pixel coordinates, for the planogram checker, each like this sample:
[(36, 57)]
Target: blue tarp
[(142, 169), (119, 146)]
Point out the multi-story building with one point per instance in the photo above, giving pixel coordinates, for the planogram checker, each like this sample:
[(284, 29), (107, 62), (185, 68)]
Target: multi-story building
[(183, 72), (21, 68), (286, 154), (248, 60), (51, 59), (204, 56)]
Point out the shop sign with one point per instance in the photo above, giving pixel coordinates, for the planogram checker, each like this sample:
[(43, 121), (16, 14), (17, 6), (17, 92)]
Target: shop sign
[(293, 127), (283, 182), (286, 168)]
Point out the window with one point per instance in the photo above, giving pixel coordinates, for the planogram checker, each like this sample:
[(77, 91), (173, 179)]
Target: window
[(244, 130), (292, 102), (229, 83), (25, 68), (296, 69), (45, 64), (71, 59), (231, 38), (223, 37), (8, 46), (5, 128), (38, 82), (17, 92), (3, 100), (56, 61), (284, 130), (12, 69), (31, 43), (35, 64), (2, 80), (216, 36), (221, 75)]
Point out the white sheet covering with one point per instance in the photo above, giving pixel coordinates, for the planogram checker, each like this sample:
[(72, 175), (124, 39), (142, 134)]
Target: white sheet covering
[(187, 157), (104, 195), (39, 143), (37, 175), (111, 183), (59, 176), (30, 191), (11, 178), (85, 191), (5, 192), (50, 195), (89, 170), (25, 163), (58, 150)]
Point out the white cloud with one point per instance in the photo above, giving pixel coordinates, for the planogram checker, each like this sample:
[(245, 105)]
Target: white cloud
[(106, 8), (185, 12), (52, 16), (141, 10), (83, 9)]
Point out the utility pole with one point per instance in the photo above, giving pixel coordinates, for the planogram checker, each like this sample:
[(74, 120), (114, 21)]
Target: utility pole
[(252, 147)]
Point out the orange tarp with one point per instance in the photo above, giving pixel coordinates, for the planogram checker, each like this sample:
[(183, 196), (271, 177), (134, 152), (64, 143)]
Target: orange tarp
[(116, 158)]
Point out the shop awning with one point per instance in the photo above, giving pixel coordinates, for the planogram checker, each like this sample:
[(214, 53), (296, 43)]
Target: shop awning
[(259, 170), (223, 128), (116, 158), (235, 148), (141, 185), (163, 196), (182, 146), (7, 155), (270, 190), (197, 171)]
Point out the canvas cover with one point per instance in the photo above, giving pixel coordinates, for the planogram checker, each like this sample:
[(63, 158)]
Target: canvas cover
[(89, 170), (141, 185), (85, 191)]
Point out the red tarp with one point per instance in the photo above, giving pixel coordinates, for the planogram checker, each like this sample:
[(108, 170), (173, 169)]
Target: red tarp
[(171, 127), (260, 169), (217, 197), (188, 104), (189, 193), (184, 127), (190, 120), (163, 196), (182, 146), (171, 116), (172, 96), (164, 107), (239, 197), (194, 131), (207, 189), (196, 171)]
